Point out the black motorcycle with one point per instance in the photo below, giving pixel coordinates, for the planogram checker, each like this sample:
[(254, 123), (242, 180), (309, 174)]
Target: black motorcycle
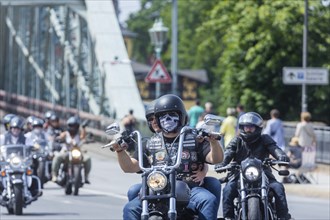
[(19, 186), (42, 160), (162, 195), (72, 172), (255, 199)]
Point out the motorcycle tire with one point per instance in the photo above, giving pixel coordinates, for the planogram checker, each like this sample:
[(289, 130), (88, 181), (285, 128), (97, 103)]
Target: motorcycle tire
[(10, 210), (77, 179), (68, 188), (253, 210), (18, 205), (41, 174)]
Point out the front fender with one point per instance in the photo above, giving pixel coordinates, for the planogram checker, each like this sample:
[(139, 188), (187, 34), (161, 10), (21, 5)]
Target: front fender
[(16, 178)]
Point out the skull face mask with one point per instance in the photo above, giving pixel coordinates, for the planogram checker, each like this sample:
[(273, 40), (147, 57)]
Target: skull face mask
[(169, 122)]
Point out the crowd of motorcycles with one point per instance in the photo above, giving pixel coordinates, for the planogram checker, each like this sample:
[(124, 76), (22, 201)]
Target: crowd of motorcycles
[(165, 197), (24, 169)]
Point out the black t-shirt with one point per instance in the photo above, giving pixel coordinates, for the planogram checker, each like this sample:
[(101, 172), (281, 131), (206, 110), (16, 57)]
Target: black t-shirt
[(161, 150)]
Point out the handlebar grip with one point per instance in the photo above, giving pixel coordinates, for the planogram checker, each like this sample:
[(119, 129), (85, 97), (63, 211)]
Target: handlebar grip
[(218, 138)]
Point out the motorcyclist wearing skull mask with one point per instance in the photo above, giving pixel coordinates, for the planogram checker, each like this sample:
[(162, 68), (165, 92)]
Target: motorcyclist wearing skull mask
[(171, 116), (210, 183), (71, 137), (250, 142)]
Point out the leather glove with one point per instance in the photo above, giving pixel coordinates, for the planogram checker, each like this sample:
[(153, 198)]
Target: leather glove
[(218, 166)]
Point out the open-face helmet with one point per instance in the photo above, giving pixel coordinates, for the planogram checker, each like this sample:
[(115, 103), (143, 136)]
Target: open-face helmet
[(16, 122), (150, 112), (170, 113), (6, 120), (48, 114), (37, 122)]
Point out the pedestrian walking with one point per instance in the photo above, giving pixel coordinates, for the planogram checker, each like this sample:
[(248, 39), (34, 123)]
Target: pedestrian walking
[(274, 128), (129, 121), (194, 113), (228, 126), (307, 139)]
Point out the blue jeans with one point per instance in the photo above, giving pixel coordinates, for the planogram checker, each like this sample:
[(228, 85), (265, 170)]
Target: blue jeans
[(202, 201), (210, 183), (133, 191), (214, 186)]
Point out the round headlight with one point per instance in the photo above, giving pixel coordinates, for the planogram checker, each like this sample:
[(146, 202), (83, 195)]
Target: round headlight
[(15, 162), (251, 173), (76, 153), (157, 181)]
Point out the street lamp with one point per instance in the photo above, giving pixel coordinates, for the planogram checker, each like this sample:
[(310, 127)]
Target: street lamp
[(158, 37)]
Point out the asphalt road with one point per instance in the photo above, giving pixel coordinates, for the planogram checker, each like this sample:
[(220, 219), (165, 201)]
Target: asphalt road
[(106, 196)]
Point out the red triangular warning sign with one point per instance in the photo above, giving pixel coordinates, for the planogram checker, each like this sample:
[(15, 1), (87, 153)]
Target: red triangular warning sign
[(158, 73)]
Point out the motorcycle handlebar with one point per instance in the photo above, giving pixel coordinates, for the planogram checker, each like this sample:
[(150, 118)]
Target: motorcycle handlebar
[(205, 133)]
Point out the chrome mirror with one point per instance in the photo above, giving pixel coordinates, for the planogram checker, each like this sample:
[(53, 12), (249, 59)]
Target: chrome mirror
[(113, 129), (210, 119)]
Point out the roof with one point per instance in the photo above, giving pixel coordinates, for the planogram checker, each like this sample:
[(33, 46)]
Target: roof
[(141, 70)]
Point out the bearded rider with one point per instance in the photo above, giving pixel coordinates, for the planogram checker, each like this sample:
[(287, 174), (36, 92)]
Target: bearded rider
[(171, 116), (250, 142)]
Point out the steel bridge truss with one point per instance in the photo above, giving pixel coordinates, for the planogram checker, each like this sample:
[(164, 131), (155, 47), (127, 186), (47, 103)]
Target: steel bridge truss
[(47, 53)]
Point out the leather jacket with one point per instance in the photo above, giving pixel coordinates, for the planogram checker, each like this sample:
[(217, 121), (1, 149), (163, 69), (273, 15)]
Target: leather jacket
[(238, 150)]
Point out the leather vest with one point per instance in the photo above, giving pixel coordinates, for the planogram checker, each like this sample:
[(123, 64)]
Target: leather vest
[(8, 140)]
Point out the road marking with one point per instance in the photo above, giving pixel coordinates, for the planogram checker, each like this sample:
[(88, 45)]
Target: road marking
[(105, 193)]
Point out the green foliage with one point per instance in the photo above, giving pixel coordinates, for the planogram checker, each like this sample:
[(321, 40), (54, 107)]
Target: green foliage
[(244, 46)]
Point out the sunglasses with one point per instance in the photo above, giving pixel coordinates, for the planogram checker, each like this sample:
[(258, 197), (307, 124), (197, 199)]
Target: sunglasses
[(150, 119)]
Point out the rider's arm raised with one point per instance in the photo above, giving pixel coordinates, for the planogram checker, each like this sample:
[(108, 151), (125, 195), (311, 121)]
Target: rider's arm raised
[(216, 153), (126, 163)]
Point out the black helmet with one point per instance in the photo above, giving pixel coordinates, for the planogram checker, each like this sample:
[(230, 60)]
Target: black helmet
[(250, 118), (73, 124), (54, 117), (30, 119), (73, 121), (6, 120), (48, 114), (37, 122), (16, 122), (150, 111), (171, 103)]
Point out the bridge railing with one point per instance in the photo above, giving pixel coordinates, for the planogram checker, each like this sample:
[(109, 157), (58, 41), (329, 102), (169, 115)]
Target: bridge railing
[(26, 106)]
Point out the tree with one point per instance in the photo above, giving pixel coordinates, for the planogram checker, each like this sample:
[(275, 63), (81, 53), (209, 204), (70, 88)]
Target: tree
[(245, 44)]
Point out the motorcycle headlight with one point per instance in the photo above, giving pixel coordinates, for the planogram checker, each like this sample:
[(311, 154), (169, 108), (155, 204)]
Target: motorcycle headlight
[(157, 181), (15, 162), (251, 173), (76, 153)]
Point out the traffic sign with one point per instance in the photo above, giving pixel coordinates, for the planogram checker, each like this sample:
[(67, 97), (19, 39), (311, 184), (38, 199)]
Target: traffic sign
[(158, 73), (310, 75)]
